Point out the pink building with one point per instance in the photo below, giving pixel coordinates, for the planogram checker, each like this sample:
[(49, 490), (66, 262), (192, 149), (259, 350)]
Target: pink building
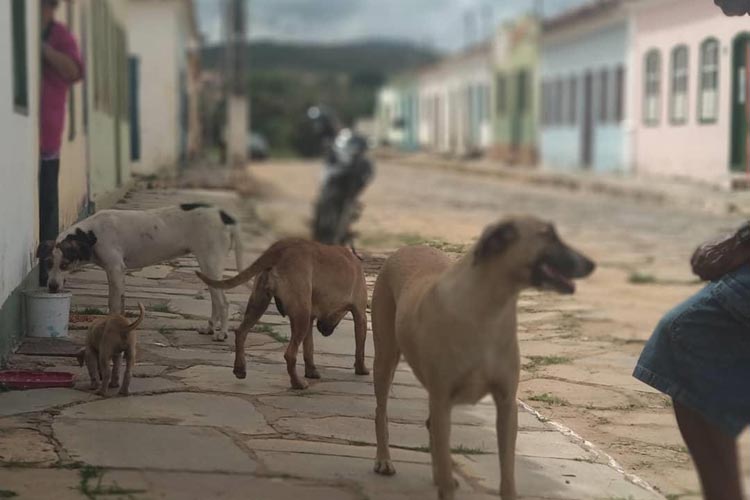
[(691, 91)]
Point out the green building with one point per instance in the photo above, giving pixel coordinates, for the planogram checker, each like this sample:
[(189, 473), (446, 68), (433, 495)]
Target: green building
[(516, 100)]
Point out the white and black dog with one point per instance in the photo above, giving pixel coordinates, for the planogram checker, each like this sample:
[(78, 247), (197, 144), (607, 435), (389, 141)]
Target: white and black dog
[(122, 240)]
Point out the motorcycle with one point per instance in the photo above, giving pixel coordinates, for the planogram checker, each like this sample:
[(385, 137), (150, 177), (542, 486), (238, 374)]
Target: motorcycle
[(348, 171)]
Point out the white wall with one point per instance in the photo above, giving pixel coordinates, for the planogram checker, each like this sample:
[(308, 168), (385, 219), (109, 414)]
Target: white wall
[(19, 144), (155, 34), (694, 150)]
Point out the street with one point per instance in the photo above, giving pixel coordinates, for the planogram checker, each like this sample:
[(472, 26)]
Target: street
[(578, 352), (191, 430)]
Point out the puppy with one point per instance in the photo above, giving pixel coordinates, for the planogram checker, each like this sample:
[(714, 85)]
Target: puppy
[(456, 326), (121, 240), (309, 281), (107, 339)]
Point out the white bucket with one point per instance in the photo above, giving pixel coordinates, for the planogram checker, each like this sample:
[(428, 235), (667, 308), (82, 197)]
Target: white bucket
[(47, 314)]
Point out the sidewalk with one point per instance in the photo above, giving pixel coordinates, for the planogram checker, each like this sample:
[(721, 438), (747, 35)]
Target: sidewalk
[(662, 191), (191, 430)]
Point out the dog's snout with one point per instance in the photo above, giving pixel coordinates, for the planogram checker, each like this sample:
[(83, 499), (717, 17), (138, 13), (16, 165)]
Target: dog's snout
[(584, 266), (53, 286)]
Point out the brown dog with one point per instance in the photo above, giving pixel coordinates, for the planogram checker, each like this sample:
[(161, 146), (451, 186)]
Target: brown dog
[(309, 281), (456, 326), (107, 339)]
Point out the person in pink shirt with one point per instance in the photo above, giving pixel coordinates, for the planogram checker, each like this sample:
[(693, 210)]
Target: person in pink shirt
[(61, 67)]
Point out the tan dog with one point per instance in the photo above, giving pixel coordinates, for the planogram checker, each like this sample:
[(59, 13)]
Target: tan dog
[(456, 326), (107, 339), (309, 281)]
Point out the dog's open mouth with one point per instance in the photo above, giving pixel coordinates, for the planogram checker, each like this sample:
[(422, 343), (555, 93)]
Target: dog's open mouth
[(549, 277)]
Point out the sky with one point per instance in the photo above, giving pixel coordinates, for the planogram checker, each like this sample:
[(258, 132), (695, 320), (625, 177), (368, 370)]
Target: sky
[(441, 24)]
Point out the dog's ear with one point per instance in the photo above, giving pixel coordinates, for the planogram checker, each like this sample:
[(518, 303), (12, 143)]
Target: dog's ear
[(91, 238), (495, 240), (45, 249)]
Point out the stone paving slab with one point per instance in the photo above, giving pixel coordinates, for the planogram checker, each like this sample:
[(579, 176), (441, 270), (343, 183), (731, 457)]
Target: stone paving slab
[(16, 402), (150, 446), (22, 445), (557, 479), (180, 408)]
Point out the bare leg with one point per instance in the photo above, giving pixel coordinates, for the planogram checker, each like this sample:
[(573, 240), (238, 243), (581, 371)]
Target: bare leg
[(507, 431), (308, 346), (714, 454), (256, 306)]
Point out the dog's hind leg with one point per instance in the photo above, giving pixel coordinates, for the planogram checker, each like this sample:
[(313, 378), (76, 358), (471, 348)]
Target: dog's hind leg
[(212, 266), (115, 380), (129, 361), (92, 364), (256, 306), (386, 360), (301, 327), (308, 347), (507, 430)]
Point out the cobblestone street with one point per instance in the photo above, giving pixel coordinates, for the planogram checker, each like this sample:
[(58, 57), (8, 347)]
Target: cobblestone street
[(190, 430)]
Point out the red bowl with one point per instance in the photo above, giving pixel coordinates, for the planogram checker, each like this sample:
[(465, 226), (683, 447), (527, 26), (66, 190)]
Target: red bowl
[(22, 380)]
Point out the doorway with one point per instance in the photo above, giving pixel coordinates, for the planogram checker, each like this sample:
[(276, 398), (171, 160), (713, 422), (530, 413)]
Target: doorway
[(588, 121), (740, 104)]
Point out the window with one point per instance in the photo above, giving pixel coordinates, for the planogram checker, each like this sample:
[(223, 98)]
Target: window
[(678, 103), (502, 94), (559, 98), (20, 68), (619, 94), (545, 103), (708, 78), (652, 90), (523, 91), (604, 96), (572, 100), (72, 92)]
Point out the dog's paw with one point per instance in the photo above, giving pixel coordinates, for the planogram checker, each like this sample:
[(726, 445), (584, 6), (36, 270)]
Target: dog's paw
[(384, 467), (312, 373), (219, 337), (102, 392), (299, 385), (94, 386), (123, 393), (240, 373), (361, 370), (114, 384)]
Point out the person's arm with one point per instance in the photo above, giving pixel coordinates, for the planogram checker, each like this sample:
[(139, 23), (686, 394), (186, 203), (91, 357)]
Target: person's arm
[(63, 64)]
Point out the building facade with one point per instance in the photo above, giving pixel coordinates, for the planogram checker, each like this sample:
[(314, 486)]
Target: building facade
[(19, 141), (515, 90), (94, 167), (583, 78), (455, 103), (690, 87), (164, 82)]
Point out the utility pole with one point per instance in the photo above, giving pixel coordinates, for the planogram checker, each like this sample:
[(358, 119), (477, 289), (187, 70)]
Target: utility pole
[(237, 124)]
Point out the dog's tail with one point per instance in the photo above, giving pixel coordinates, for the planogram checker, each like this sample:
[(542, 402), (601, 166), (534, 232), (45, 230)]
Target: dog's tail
[(266, 261), (132, 326)]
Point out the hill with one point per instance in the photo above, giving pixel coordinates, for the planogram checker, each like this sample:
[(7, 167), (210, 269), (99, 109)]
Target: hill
[(382, 56), (284, 79)]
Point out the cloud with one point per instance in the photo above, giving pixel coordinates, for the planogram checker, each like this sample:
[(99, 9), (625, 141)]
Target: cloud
[(440, 23)]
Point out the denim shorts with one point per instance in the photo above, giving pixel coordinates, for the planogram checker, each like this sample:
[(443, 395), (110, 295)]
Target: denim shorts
[(699, 354)]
